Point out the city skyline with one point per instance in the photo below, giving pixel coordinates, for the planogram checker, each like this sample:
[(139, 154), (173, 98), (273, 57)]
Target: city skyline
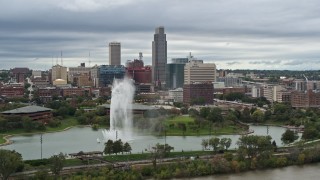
[(232, 34)]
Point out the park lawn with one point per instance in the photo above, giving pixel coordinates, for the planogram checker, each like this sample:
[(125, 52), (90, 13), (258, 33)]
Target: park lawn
[(179, 119), (228, 128), (65, 123), (2, 140)]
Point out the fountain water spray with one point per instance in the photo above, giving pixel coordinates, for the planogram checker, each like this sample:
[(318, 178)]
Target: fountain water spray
[(120, 110)]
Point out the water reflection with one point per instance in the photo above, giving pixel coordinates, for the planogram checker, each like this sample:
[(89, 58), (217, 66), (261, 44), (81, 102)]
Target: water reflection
[(85, 139)]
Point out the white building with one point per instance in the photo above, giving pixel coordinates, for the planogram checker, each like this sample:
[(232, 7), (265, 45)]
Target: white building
[(196, 71), (176, 95), (59, 72)]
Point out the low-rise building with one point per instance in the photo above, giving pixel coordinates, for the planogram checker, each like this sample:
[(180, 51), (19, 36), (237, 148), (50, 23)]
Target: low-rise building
[(176, 95), (305, 99), (36, 113)]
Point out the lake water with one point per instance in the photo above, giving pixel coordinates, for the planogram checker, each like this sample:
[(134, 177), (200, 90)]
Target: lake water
[(85, 139), (304, 172)]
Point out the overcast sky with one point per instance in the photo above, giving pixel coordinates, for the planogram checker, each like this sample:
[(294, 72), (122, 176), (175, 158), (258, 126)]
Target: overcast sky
[(234, 34)]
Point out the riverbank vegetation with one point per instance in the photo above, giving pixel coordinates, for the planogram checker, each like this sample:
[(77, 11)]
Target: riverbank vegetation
[(253, 152)]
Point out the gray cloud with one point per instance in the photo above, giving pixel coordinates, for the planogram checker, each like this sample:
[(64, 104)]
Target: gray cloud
[(249, 32)]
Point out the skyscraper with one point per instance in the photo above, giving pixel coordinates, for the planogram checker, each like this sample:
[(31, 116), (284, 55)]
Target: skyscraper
[(159, 55), (114, 53)]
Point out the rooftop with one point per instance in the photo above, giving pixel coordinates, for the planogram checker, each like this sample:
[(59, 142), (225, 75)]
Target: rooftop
[(134, 107), (26, 109)]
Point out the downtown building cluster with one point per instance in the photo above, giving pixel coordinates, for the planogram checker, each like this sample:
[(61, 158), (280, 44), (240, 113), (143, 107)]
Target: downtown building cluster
[(186, 79)]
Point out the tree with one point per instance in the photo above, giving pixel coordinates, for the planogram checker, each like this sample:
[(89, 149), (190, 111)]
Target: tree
[(126, 147), (231, 116), (225, 143), (289, 136), (159, 151), (258, 116), (253, 145), (246, 117), (57, 163), (10, 162), (204, 112), (214, 143), (193, 112), (27, 123), (310, 133), (205, 143), (108, 149), (117, 146), (215, 115)]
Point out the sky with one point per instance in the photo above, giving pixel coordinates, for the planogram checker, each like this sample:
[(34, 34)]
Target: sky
[(233, 34)]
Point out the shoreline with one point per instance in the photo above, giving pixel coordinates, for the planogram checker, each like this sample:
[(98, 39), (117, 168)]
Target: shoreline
[(7, 136)]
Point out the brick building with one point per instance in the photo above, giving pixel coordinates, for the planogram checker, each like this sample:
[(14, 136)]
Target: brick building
[(11, 91), (19, 74), (196, 91), (305, 99)]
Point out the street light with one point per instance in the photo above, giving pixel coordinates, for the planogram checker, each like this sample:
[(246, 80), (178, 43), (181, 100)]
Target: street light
[(41, 144)]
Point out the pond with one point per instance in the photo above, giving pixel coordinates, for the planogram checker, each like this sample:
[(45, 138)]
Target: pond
[(85, 139)]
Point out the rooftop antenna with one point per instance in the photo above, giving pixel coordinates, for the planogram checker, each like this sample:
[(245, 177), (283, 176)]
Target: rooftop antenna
[(57, 61), (89, 59), (61, 59), (140, 56)]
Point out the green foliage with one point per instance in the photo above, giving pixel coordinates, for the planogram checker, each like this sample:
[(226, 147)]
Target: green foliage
[(215, 115), (205, 143), (27, 123), (37, 162), (214, 143), (95, 127), (126, 147), (108, 149), (56, 163), (10, 162), (258, 116), (204, 112), (253, 145), (159, 151), (246, 117), (289, 136), (310, 132), (234, 96), (42, 174)]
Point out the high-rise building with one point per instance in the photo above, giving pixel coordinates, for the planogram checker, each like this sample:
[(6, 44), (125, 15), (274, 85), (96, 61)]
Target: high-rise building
[(175, 73), (114, 53), (196, 71), (159, 56), (59, 72)]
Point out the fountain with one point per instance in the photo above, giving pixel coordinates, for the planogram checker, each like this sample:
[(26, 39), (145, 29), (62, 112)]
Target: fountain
[(120, 111)]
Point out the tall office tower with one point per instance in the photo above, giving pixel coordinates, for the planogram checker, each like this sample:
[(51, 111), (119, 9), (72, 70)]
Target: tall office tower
[(159, 56), (114, 53), (59, 72)]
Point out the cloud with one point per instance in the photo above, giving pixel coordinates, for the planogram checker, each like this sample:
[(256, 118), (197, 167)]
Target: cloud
[(264, 62), (232, 63), (254, 34)]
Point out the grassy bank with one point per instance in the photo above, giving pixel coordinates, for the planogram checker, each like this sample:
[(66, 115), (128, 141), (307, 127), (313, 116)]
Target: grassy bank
[(32, 164), (174, 127), (66, 123)]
